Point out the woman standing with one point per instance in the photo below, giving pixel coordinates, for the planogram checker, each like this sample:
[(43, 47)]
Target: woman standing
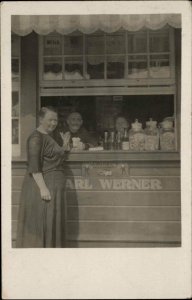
[(41, 220)]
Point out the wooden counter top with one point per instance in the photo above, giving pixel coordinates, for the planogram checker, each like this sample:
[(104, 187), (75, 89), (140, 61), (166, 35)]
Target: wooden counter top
[(84, 156)]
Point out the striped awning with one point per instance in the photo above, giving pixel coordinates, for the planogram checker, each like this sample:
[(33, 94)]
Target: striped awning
[(65, 24)]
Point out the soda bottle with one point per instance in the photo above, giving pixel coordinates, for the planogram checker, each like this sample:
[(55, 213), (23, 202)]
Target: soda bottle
[(118, 141), (112, 141), (105, 142), (125, 141)]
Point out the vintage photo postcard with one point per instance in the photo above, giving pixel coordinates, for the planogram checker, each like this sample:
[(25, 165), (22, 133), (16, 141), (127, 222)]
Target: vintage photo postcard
[(96, 149)]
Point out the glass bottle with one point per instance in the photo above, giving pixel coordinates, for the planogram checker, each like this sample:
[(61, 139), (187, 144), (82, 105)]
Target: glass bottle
[(167, 136), (151, 136), (105, 142), (112, 141), (118, 141), (136, 137), (125, 140)]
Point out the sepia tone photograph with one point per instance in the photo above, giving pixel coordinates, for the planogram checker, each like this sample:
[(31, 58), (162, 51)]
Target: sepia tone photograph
[(96, 149), (96, 106)]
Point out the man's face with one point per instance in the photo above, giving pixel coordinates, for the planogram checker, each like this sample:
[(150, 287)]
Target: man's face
[(121, 123), (74, 122)]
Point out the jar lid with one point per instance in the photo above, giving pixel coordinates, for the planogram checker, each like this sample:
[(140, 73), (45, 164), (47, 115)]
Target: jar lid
[(136, 125), (151, 123), (167, 124)]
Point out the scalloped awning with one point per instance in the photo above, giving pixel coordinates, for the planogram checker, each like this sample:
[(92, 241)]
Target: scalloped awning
[(41, 24)]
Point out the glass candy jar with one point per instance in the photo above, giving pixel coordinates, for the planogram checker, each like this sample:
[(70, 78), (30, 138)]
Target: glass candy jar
[(151, 136), (136, 137), (167, 136)]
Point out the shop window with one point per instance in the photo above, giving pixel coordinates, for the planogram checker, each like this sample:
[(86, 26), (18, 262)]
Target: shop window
[(159, 66), (52, 45), (73, 68), (119, 55), (15, 68), (115, 67), (95, 67), (115, 43), (73, 44), (99, 113), (137, 42), (137, 66), (158, 41), (52, 68)]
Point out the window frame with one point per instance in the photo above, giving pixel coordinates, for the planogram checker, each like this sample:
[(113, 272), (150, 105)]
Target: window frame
[(126, 81)]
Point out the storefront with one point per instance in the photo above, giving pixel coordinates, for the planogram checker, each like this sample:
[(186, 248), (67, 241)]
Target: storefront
[(104, 67)]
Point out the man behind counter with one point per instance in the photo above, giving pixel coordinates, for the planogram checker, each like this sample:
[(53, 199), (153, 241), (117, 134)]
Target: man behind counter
[(80, 138)]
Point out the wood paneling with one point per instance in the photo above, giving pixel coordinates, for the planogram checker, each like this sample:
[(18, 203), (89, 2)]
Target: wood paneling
[(19, 171), (118, 218), (125, 231), (15, 209), (16, 197), (124, 183), (116, 244), (158, 171), (17, 182), (124, 213), (148, 198)]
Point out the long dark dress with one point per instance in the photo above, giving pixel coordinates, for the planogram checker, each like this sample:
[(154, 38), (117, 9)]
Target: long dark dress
[(41, 223)]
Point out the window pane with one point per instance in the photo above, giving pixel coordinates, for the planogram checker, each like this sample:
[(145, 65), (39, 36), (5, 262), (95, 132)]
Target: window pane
[(73, 45), (94, 44), (52, 45), (137, 43), (95, 67), (52, 69), (137, 66), (15, 69), (73, 68), (159, 42), (15, 45), (115, 67), (115, 43), (15, 104), (159, 66), (15, 131)]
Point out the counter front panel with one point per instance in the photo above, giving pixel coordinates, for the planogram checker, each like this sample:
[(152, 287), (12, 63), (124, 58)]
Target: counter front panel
[(117, 203)]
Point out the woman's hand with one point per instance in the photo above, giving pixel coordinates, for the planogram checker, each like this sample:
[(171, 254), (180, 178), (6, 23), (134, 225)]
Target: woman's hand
[(66, 138), (45, 194)]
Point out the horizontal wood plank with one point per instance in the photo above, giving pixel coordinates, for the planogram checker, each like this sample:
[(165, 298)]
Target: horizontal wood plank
[(158, 171), (124, 213), (15, 211), (69, 171), (148, 198), (18, 172), (125, 231), (120, 244), (164, 183), (16, 197), (17, 182)]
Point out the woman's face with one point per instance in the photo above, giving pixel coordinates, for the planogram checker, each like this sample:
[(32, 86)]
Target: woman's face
[(121, 123), (49, 121)]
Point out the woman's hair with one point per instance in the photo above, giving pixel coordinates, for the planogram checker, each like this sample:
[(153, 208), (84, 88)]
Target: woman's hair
[(44, 110)]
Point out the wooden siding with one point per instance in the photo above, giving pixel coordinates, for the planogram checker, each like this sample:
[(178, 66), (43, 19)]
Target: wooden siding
[(130, 218)]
